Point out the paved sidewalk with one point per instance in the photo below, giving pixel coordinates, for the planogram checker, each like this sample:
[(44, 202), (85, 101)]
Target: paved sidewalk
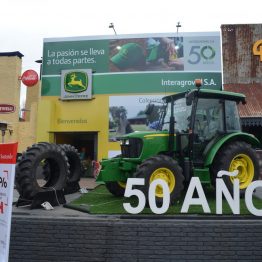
[(58, 211)]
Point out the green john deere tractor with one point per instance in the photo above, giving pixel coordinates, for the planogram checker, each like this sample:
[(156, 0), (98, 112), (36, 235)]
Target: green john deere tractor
[(198, 134)]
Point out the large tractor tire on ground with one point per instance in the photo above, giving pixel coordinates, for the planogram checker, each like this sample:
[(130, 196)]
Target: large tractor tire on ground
[(237, 156), (116, 188), (75, 169), (165, 168), (27, 169), (75, 166)]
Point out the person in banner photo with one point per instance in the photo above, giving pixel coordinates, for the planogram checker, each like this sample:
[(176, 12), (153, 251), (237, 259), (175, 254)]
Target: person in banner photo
[(130, 56), (147, 54), (164, 52)]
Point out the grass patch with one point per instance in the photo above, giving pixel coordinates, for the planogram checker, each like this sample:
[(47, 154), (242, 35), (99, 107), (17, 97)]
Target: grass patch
[(100, 201)]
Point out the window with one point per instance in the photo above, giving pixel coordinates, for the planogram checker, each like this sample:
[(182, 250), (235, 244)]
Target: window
[(232, 117), (182, 114), (209, 118)]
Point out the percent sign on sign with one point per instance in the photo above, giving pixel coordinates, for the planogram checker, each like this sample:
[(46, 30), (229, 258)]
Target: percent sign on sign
[(3, 182)]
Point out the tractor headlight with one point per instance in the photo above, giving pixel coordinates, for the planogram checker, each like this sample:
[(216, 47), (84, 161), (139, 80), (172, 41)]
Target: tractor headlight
[(124, 142), (131, 147)]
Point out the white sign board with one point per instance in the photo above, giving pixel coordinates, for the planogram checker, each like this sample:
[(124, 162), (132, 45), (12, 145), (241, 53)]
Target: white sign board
[(7, 175)]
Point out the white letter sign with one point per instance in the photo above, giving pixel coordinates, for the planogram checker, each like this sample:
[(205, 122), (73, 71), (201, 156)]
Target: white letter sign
[(189, 200), (248, 198)]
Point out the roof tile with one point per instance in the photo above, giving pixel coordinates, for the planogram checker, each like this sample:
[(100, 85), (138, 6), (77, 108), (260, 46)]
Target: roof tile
[(253, 92)]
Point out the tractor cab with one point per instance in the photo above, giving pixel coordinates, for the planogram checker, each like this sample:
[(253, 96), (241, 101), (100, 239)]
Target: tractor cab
[(197, 120)]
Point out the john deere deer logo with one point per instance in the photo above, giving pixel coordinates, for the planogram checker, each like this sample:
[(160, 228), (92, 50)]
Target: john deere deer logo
[(76, 82)]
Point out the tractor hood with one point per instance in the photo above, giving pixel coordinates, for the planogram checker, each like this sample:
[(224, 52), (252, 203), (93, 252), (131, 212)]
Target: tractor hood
[(144, 134), (144, 144)]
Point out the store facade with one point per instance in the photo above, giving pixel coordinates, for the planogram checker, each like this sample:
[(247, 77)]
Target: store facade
[(95, 89), (242, 71), (12, 127)]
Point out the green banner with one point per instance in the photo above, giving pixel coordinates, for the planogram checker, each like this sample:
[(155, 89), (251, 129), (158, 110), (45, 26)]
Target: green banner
[(91, 54), (135, 64), (196, 52), (139, 83)]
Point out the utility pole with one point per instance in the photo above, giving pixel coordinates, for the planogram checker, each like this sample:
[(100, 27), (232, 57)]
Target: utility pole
[(111, 25), (178, 26)]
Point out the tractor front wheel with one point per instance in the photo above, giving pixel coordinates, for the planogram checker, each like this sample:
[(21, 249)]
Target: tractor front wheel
[(237, 156), (116, 188), (165, 168)]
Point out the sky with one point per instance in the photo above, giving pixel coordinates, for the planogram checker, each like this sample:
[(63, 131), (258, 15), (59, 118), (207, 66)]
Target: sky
[(24, 23)]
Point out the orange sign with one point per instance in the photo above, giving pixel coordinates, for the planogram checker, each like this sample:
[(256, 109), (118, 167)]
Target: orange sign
[(257, 48)]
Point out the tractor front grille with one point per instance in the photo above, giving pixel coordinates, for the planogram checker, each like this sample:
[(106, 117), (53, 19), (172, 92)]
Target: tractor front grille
[(133, 149)]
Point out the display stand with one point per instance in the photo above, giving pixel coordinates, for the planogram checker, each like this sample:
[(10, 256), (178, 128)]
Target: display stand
[(54, 197), (71, 187)]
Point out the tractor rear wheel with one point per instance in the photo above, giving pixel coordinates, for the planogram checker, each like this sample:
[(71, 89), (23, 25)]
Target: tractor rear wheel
[(165, 168), (116, 188), (237, 156)]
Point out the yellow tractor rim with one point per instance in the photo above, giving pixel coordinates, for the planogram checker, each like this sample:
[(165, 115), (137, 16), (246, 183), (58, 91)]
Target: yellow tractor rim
[(244, 164), (122, 184), (166, 175)]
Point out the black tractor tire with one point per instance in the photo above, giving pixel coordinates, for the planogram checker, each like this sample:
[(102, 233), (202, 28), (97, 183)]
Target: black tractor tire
[(75, 165), (32, 158), (116, 188), (166, 168), (236, 155)]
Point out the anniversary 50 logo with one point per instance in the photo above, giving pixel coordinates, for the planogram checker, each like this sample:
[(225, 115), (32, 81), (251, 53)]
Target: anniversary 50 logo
[(233, 200)]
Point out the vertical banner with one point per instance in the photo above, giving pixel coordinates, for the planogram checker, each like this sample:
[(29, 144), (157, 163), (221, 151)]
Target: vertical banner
[(7, 175)]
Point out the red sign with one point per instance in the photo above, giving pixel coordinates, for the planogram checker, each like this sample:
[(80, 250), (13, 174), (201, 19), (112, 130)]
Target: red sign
[(29, 78), (8, 153), (7, 176), (7, 108)]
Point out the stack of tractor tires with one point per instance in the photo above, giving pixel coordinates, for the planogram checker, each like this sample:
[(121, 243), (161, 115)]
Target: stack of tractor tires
[(57, 166)]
